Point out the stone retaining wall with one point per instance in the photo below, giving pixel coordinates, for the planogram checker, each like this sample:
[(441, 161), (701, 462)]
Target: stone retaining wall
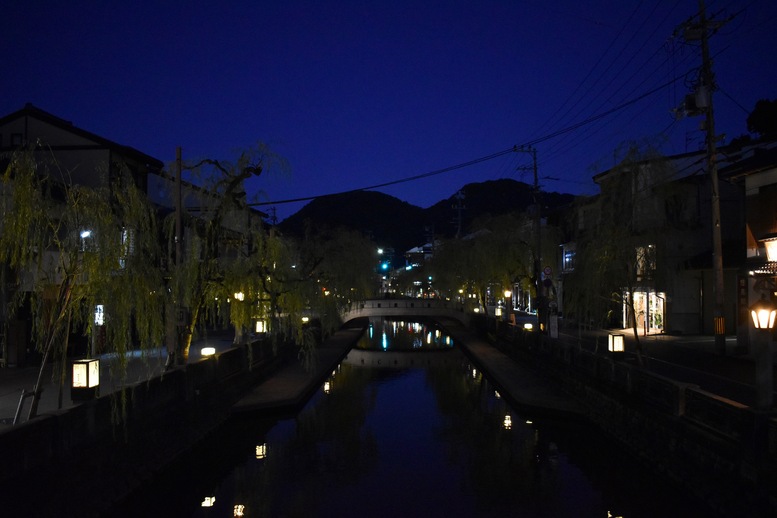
[(722, 451), (84, 448)]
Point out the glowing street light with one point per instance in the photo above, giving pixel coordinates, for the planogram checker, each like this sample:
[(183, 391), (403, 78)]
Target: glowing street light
[(763, 313), (86, 379), (770, 244), (615, 345)]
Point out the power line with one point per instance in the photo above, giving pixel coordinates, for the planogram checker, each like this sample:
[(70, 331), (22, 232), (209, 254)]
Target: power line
[(486, 158)]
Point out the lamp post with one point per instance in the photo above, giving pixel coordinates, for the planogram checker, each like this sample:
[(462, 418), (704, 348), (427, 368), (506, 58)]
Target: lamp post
[(763, 313), (770, 244), (508, 304), (615, 346), (85, 384)]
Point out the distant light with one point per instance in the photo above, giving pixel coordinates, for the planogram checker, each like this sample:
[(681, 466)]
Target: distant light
[(261, 451), (85, 234), (384, 266), (238, 510), (99, 315), (240, 296), (305, 320), (209, 501), (380, 251), (208, 351), (528, 326), (508, 422)]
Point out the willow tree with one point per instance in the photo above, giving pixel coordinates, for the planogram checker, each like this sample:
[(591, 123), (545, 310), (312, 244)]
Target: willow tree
[(338, 267), (234, 271), (617, 251), (495, 253), (73, 248)]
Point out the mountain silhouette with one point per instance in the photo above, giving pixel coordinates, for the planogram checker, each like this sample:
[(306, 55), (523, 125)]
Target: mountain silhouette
[(391, 222)]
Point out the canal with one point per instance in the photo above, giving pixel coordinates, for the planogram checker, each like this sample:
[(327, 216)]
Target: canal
[(406, 425)]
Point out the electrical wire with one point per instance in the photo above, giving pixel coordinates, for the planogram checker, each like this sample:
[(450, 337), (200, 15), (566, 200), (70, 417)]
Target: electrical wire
[(475, 161)]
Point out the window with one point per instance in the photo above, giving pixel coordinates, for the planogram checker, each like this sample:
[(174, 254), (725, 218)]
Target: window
[(127, 245), (567, 258)]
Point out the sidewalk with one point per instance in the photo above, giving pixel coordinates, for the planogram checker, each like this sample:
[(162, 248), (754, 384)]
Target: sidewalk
[(691, 359), (140, 367)]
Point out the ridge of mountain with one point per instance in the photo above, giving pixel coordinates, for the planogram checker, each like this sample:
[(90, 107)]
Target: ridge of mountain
[(394, 223)]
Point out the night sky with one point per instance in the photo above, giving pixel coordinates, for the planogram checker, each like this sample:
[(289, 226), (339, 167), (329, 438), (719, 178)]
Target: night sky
[(357, 94)]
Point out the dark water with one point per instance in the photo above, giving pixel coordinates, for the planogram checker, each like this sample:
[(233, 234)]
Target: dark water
[(423, 433)]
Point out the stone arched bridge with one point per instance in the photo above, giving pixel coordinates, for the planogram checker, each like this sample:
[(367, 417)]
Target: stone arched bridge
[(432, 308)]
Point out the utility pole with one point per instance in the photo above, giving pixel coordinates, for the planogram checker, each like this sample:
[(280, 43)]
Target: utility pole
[(459, 207), (708, 82), (174, 324), (703, 105), (540, 300), (178, 207)]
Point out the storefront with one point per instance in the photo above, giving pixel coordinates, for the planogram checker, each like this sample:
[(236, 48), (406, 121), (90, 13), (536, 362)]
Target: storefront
[(649, 310)]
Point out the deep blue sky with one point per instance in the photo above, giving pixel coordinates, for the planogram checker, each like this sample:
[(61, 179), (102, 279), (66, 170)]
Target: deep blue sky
[(356, 94)]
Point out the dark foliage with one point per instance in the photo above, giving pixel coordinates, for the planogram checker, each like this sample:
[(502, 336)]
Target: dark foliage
[(391, 222)]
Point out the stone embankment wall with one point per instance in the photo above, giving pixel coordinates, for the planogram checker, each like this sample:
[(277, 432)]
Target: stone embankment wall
[(720, 450), (82, 456)]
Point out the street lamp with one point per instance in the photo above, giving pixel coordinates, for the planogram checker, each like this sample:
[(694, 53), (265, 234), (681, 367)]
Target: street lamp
[(508, 303), (615, 345), (770, 243), (763, 313), (86, 380)]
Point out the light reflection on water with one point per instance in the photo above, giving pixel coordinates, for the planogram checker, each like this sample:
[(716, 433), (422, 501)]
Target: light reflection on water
[(431, 438), (400, 335)]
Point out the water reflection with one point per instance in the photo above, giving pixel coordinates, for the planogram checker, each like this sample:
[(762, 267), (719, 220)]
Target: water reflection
[(385, 334), (426, 439)]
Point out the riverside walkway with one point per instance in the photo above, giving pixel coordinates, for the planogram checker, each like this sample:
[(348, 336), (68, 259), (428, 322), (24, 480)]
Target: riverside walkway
[(285, 389), (140, 366), (290, 387), (689, 359)]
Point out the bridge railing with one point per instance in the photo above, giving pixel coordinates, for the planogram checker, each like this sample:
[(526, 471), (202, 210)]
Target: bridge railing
[(406, 307)]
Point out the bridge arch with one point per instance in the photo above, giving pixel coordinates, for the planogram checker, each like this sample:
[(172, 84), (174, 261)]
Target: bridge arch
[(406, 308)]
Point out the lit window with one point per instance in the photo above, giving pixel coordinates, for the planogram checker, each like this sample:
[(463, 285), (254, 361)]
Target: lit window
[(127, 245), (86, 238), (261, 451)]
